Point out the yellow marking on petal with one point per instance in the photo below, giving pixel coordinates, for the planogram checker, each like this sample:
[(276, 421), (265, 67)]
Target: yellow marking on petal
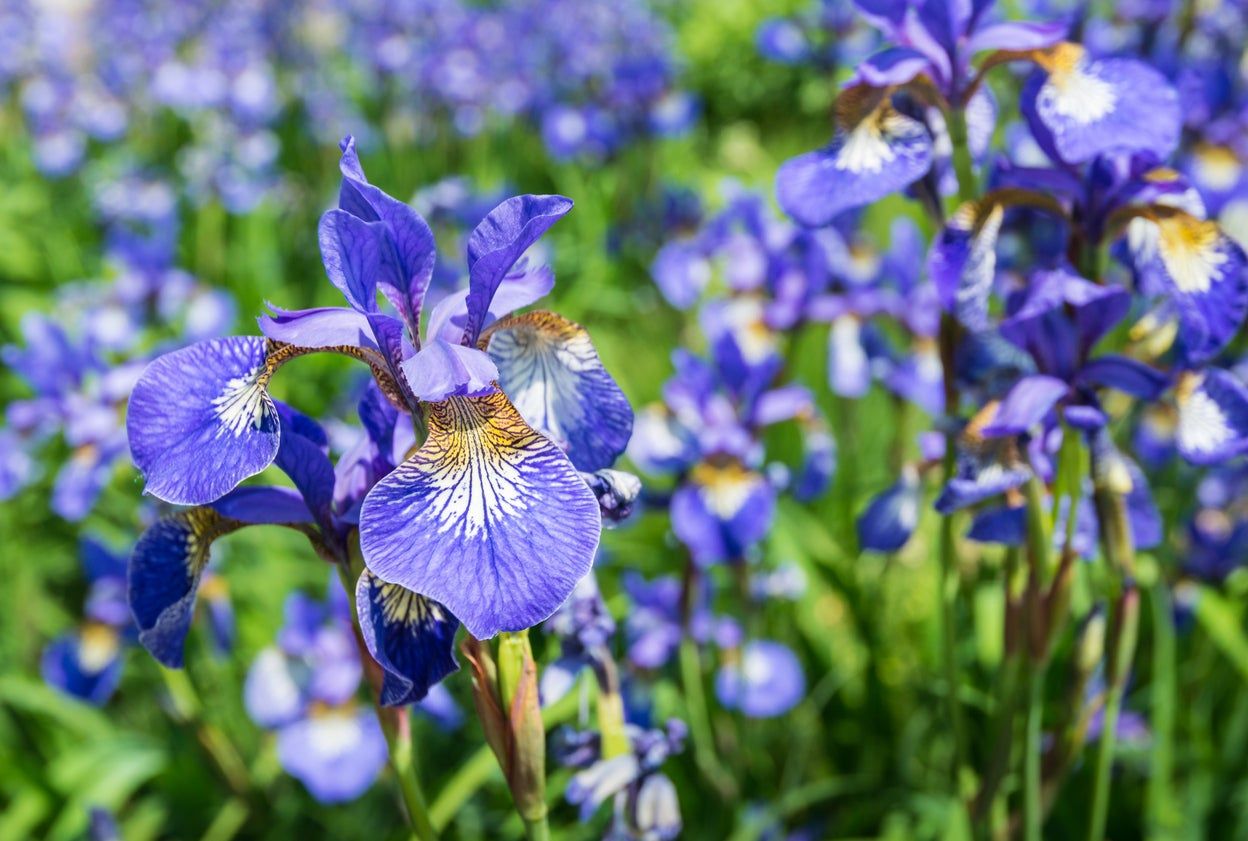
[(214, 587), (400, 605), (1162, 175), (726, 484), (1217, 167), (98, 645), (475, 456), (1189, 249), (1073, 91)]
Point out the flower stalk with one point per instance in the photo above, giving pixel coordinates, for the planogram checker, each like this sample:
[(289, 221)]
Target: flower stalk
[(504, 692)]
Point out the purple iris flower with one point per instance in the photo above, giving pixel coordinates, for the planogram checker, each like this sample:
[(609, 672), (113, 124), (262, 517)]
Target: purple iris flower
[(655, 625), (514, 406), (1079, 106), (1150, 214), (584, 628), (1057, 324), (649, 808), (305, 688), (765, 682), (87, 663), (723, 503)]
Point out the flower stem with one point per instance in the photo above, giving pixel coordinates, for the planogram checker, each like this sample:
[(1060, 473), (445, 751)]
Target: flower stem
[(963, 166), (537, 829), (395, 725), (700, 721), (1104, 765), (1033, 807), (948, 594), (1163, 814)]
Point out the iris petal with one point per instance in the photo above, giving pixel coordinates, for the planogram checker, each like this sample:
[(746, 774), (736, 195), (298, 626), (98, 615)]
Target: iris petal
[(200, 420), (412, 638), (1213, 417), (498, 242), (550, 369), (488, 517), (1078, 107), (164, 574), (337, 754), (1206, 275), (963, 261), (880, 154)]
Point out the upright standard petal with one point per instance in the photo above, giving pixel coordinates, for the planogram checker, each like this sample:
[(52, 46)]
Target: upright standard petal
[(550, 369), (1078, 107), (351, 252), (498, 242), (200, 419), (488, 517), (164, 577), (871, 156), (406, 248), (411, 637)]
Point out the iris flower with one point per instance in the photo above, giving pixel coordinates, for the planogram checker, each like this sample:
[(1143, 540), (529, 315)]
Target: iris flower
[(488, 522)]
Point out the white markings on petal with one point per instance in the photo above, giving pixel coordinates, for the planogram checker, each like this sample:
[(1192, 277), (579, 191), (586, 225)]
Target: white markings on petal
[(1190, 250), (544, 376), (865, 149), (1074, 92), (243, 403), (873, 142), (483, 470), (334, 733), (725, 487), (1203, 427)]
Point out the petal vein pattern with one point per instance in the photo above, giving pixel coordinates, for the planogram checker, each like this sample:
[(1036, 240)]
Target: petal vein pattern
[(488, 517)]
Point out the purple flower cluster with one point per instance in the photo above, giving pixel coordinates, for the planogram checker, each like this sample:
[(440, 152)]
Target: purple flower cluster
[(590, 77)]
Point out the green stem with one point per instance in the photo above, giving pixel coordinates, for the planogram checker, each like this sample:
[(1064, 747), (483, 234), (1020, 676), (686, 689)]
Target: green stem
[(700, 721), (228, 822), (1104, 765), (1162, 815), (403, 762), (948, 594), (963, 166), (1033, 806), (1002, 747), (395, 724), (537, 829)]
